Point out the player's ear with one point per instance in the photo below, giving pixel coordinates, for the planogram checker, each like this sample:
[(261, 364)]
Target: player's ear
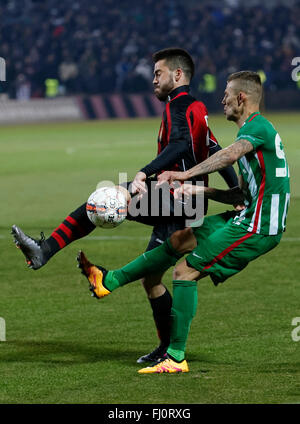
[(241, 98), (177, 74)]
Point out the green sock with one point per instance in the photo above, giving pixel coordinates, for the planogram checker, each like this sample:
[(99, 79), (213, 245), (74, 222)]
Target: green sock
[(156, 260), (185, 297)]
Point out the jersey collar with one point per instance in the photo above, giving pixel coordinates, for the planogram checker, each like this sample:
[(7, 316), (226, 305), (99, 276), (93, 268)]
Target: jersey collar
[(183, 89), (252, 116)]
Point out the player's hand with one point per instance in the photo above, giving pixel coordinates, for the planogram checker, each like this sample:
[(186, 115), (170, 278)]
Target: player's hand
[(125, 192), (170, 177), (188, 190), (239, 208), (139, 184)]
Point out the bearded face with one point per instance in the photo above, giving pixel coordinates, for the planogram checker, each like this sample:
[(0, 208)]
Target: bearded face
[(163, 81)]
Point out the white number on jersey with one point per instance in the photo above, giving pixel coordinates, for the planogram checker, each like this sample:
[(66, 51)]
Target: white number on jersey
[(280, 172)]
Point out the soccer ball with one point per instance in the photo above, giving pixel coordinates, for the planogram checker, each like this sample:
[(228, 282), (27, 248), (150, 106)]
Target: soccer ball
[(107, 207)]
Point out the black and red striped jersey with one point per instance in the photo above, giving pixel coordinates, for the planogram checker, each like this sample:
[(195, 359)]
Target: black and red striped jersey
[(184, 138)]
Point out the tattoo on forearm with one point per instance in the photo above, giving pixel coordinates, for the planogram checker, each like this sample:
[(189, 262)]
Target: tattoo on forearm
[(218, 161), (241, 147), (222, 158)]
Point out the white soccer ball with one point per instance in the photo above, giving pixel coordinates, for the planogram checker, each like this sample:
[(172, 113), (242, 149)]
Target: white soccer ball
[(107, 207)]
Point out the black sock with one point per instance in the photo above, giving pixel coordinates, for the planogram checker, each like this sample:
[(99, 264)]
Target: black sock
[(161, 307), (173, 359), (75, 226)]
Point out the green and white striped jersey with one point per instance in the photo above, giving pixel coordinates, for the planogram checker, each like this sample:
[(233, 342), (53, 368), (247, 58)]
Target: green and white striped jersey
[(265, 174)]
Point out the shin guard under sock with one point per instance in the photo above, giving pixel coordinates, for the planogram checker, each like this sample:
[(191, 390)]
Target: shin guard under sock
[(185, 297), (161, 308), (156, 260)]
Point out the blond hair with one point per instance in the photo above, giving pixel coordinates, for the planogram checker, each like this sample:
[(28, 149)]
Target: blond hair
[(249, 82)]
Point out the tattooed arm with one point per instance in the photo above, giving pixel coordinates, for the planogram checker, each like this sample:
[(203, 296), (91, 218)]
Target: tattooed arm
[(216, 162)]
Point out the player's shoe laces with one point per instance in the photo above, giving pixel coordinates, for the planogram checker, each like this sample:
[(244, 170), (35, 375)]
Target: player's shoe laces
[(34, 250), (95, 275), (166, 366), (157, 355)]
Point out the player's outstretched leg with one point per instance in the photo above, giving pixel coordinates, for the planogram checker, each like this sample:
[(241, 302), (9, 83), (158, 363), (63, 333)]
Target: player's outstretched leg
[(38, 252), (162, 257), (95, 275)]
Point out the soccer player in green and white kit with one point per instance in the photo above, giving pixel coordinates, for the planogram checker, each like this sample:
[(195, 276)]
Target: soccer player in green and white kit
[(224, 244)]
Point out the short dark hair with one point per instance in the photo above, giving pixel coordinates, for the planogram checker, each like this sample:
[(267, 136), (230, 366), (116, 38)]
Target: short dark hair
[(249, 82), (176, 58)]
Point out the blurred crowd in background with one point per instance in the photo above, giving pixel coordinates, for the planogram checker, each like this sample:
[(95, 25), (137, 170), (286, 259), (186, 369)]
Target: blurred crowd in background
[(72, 47)]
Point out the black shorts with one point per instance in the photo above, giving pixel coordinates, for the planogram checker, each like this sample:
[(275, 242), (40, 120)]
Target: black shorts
[(161, 232), (163, 226)]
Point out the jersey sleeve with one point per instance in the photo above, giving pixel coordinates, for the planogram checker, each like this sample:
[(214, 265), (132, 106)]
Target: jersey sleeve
[(178, 126), (252, 133), (179, 138), (170, 155)]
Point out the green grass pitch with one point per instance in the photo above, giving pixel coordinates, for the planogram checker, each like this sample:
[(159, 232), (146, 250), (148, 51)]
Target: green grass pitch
[(63, 346)]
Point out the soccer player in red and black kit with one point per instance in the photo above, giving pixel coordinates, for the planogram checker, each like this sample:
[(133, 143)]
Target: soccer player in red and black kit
[(184, 140)]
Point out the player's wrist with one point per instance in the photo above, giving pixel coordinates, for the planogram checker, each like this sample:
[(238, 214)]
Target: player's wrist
[(209, 192), (186, 175), (141, 175)]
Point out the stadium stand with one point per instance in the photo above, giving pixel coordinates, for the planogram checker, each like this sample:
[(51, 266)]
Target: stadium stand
[(54, 48)]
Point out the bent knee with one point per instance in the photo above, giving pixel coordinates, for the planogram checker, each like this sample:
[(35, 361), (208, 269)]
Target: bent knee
[(183, 241), (151, 280), (153, 286), (180, 273), (183, 272), (182, 234), (177, 274)]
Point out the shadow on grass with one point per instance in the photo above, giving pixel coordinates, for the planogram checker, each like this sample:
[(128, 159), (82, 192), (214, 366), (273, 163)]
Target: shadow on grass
[(74, 353), (66, 353)]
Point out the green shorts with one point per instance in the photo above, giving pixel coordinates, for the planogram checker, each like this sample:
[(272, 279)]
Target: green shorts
[(224, 249)]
